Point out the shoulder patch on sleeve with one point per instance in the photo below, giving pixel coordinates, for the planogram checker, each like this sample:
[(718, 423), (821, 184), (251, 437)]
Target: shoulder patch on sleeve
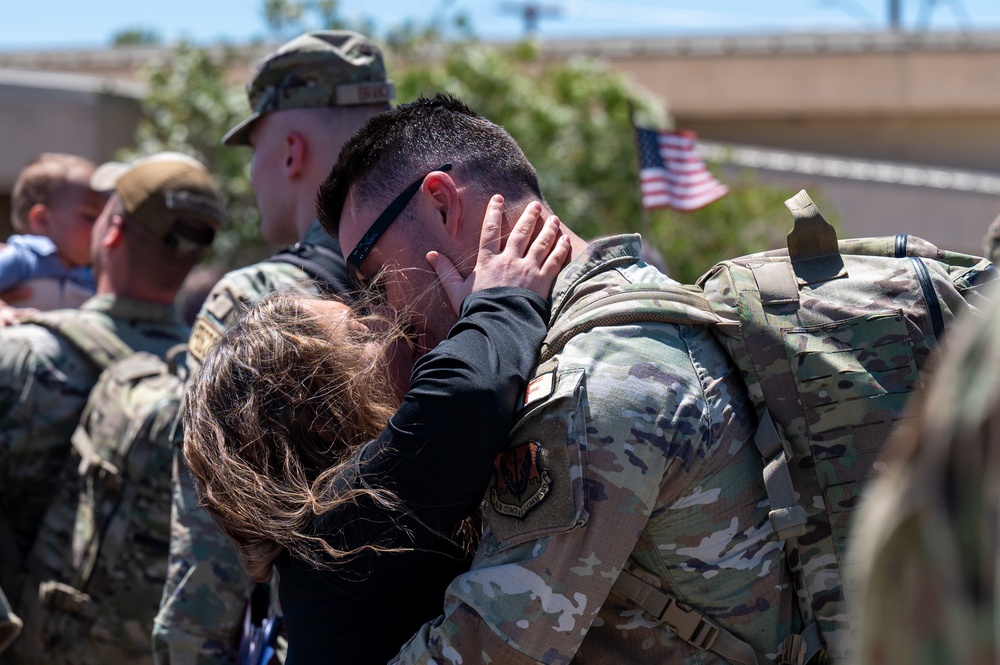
[(521, 482), (539, 388), (222, 303), (203, 338)]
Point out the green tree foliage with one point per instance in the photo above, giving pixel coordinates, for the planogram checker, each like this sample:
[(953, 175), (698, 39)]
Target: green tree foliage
[(136, 37), (751, 218), (189, 105), (572, 118)]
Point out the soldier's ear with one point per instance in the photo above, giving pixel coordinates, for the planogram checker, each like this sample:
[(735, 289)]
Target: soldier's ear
[(295, 155), (114, 232), (441, 190)]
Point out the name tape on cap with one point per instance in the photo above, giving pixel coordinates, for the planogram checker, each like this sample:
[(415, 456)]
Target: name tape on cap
[(353, 94)]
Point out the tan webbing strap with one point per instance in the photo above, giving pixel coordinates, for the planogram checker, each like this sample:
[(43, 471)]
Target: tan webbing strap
[(788, 518), (812, 642), (690, 625), (101, 346), (776, 283), (629, 304)]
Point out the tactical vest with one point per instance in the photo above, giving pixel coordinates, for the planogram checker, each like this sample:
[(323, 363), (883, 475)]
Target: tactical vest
[(829, 338)]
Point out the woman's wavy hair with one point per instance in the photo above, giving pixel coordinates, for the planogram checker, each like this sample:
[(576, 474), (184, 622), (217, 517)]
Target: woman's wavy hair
[(282, 402)]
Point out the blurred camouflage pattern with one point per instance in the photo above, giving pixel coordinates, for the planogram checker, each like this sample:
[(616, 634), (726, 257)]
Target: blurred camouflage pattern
[(830, 344), (44, 383), (925, 548), (206, 591), (105, 537), (644, 432)]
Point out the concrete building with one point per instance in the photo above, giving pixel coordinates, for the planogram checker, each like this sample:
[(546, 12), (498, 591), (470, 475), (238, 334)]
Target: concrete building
[(57, 112), (862, 105), (831, 111)]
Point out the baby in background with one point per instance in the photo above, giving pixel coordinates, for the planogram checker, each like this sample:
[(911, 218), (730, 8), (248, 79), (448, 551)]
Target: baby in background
[(54, 209)]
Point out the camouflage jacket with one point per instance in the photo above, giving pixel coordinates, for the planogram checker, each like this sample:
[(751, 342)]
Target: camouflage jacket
[(633, 448), (926, 544), (44, 384), (206, 591)]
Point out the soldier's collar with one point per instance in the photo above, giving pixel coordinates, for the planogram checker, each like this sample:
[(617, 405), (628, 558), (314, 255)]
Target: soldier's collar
[(601, 255)]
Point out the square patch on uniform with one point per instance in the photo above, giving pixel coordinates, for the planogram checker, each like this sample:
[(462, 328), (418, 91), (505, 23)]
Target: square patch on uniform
[(521, 482)]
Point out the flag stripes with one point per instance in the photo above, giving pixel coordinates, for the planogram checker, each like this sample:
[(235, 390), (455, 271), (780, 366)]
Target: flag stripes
[(672, 174)]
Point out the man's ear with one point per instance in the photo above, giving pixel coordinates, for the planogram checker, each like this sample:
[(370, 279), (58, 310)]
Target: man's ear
[(38, 219), (443, 194), (114, 232), (295, 155)]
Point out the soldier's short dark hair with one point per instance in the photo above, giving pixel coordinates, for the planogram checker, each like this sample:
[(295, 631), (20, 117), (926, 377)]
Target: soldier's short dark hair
[(394, 148)]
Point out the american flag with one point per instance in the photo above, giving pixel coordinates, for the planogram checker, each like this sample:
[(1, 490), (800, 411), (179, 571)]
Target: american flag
[(672, 173)]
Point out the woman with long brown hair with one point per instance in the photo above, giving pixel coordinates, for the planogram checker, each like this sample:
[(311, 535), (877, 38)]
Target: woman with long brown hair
[(304, 455)]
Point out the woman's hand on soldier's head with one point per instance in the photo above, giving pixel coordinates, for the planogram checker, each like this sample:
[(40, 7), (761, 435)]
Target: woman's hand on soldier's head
[(526, 260)]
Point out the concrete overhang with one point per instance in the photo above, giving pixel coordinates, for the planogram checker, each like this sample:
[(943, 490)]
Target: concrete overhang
[(54, 112)]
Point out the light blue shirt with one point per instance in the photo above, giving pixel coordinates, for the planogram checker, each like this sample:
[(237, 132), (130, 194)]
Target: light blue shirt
[(28, 257)]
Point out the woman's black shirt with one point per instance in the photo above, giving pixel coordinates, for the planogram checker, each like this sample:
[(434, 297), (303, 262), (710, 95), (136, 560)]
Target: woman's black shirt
[(436, 455)]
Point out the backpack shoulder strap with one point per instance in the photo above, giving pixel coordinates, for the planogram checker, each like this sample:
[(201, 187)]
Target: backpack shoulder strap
[(101, 346), (133, 409), (694, 627), (323, 264), (627, 304)]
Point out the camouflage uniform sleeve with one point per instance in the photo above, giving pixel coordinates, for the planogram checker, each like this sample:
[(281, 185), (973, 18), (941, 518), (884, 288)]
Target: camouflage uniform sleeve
[(601, 446), (206, 590)]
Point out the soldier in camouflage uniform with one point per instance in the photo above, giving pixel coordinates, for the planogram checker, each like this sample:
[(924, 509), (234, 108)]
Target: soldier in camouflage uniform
[(307, 98), (158, 223), (926, 544), (634, 448)]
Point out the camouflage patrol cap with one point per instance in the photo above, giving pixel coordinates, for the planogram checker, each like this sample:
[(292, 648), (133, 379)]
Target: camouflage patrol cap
[(162, 189), (318, 69)]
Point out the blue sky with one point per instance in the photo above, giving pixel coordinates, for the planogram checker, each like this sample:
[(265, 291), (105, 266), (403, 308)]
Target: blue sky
[(50, 24)]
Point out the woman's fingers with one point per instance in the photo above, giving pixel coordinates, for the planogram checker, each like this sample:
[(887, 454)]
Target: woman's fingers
[(520, 236), (527, 260), (451, 281), (544, 241), (556, 259), (489, 237)]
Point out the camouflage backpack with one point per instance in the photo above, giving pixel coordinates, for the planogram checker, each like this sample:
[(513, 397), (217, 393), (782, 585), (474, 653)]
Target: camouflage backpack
[(829, 337), (100, 559)]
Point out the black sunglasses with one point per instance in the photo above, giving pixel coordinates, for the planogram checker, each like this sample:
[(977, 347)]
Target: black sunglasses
[(381, 223)]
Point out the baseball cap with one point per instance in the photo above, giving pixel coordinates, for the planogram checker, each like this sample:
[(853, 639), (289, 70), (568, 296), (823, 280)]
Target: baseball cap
[(162, 189), (318, 69)]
